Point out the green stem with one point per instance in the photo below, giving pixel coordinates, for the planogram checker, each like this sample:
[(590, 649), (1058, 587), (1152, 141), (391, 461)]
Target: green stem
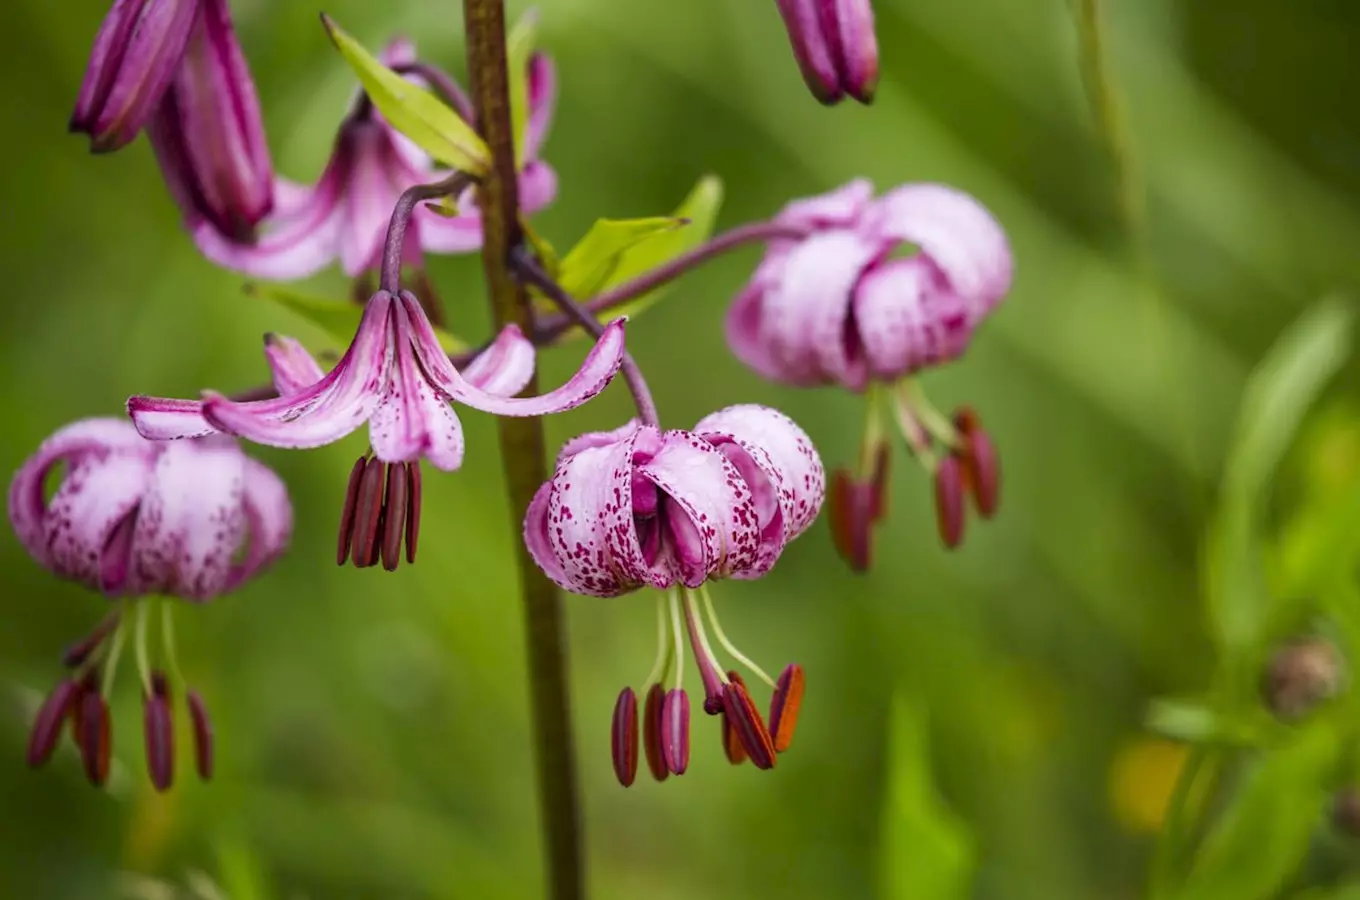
[(523, 454)]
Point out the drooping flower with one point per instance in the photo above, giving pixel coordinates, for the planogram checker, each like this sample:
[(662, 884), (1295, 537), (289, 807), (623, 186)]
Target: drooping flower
[(345, 214), (136, 55), (140, 521), (673, 510), (208, 133), (397, 378), (835, 46), (877, 290)]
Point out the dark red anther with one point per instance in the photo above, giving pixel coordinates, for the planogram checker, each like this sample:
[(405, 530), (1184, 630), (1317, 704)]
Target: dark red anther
[(675, 731), (347, 513), (76, 654), (623, 743), (368, 514), (736, 753), (651, 732), (981, 465), (750, 728), (159, 731), (785, 705), (949, 501), (86, 685), (42, 740), (395, 511), (203, 735), (412, 509), (95, 738), (854, 507)]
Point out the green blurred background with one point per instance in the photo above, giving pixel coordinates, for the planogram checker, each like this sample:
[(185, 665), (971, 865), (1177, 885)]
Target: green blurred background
[(373, 727)]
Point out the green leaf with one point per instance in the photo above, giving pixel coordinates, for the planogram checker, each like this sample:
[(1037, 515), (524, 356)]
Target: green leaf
[(338, 319), (1263, 836), (519, 47), (1278, 395), (412, 110), (607, 265), (587, 267), (926, 853), (1194, 722)]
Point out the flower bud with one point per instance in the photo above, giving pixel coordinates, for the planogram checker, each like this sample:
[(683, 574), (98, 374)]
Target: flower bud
[(835, 46), (1301, 675), (136, 55)]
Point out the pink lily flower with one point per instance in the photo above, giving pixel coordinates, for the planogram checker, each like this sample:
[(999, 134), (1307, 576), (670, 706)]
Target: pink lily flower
[(672, 510), (835, 46), (139, 520), (345, 214)]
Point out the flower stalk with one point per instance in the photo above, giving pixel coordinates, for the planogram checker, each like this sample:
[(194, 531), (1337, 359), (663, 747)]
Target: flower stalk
[(522, 454)]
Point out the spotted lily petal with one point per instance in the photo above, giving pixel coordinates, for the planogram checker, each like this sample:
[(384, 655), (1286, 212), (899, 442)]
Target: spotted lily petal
[(596, 439), (542, 103), (269, 520), (165, 419), (599, 367), (191, 521), (413, 420), (95, 500), (840, 207), (328, 410), (504, 367), (958, 235), (293, 368), (906, 321)]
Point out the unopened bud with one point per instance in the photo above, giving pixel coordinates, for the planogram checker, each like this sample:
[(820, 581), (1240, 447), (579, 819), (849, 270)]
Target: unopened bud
[(1299, 676)]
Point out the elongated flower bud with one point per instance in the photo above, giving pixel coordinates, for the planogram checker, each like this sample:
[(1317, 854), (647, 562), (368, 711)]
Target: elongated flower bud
[(136, 54), (835, 45)]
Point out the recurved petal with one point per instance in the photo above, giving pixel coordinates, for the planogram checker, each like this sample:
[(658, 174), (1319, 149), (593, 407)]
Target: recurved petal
[(714, 526), (93, 500), (805, 312), (841, 207), (589, 522), (332, 407), (292, 367), (165, 419), (269, 519), (958, 234), (80, 441), (745, 332), (191, 522), (118, 97), (295, 244), (542, 103), (506, 366), (413, 419), (595, 373), (785, 456), (906, 320), (377, 178), (538, 541), (537, 186), (596, 439)]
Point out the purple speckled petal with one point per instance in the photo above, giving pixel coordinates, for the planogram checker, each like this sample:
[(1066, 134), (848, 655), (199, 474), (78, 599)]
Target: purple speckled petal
[(413, 419), (599, 367), (908, 319), (328, 410), (376, 181), (842, 207), (95, 497), (506, 366), (784, 455), (191, 521), (269, 520), (805, 314), (537, 541), (79, 443), (167, 419), (596, 439), (958, 235), (711, 512), (292, 367)]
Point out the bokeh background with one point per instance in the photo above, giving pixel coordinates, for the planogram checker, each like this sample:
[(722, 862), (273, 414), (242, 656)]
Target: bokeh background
[(373, 727)]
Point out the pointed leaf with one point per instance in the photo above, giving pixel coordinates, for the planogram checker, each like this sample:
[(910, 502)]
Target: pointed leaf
[(519, 46), (587, 267), (337, 318), (412, 110), (1278, 395), (926, 852)]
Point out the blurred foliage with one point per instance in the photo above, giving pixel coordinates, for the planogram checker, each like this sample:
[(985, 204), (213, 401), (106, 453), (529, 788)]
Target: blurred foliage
[(373, 731)]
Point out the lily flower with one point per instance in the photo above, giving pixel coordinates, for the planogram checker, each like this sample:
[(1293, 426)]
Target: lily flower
[(673, 510), (208, 132), (397, 378), (139, 521), (345, 214), (877, 290), (835, 46), (136, 55)]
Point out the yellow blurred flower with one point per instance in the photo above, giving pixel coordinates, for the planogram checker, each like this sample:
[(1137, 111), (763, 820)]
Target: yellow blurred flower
[(1142, 777)]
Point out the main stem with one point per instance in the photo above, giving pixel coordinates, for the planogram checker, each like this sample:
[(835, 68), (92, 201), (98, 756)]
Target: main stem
[(522, 449)]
